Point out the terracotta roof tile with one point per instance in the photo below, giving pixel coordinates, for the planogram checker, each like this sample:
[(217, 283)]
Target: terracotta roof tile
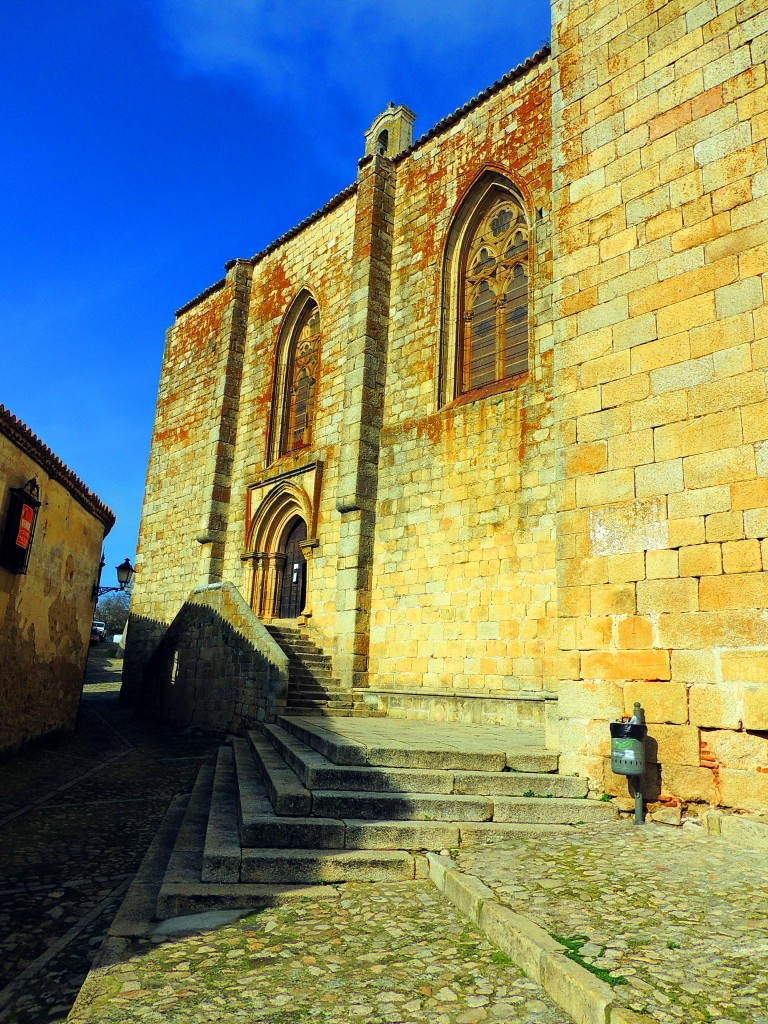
[(20, 434)]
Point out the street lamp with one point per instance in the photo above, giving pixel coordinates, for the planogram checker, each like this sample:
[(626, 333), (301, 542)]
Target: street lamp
[(124, 576)]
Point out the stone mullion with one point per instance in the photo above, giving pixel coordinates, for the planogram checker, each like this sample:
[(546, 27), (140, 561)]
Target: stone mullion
[(501, 341)]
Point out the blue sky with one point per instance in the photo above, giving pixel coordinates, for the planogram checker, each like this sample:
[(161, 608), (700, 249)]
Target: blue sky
[(147, 142)]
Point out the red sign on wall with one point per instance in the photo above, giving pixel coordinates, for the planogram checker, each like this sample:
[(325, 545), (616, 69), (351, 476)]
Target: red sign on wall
[(18, 533), (25, 526)]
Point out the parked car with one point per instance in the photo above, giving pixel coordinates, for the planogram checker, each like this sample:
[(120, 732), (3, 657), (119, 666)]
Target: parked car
[(101, 629)]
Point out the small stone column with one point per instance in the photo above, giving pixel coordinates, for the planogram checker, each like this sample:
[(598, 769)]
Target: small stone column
[(274, 564), (308, 550)]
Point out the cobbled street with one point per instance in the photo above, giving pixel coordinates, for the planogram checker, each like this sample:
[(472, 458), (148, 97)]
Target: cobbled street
[(77, 816), (376, 952)]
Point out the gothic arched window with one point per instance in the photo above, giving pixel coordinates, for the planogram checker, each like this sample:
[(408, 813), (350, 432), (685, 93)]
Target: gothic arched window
[(301, 380), (484, 335), (493, 294)]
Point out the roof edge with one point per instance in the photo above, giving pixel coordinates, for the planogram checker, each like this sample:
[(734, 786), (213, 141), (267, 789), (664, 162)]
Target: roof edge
[(332, 203), (215, 287), (447, 122), (517, 72), (20, 434)]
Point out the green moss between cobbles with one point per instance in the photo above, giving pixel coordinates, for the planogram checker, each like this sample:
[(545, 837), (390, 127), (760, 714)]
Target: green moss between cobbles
[(573, 944)]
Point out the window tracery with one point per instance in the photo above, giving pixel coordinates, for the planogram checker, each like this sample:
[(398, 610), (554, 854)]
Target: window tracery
[(493, 287), (301, 381)]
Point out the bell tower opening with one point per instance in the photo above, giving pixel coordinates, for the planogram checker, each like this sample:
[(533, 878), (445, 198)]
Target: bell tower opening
[(391, 132)]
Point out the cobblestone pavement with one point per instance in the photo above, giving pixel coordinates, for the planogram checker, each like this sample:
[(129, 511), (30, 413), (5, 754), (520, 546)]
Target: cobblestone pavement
[(76, 816), (380, 952), (682, 915)]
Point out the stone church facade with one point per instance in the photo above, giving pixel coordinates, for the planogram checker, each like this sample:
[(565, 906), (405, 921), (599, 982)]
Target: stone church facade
[(492, 425)]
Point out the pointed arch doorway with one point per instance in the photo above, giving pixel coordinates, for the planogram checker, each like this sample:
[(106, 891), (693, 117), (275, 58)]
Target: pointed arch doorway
[(278, 556), (293, 586)]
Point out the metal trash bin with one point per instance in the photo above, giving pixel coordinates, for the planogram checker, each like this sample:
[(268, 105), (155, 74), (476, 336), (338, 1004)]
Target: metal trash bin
[(628, 753), (627, 748)]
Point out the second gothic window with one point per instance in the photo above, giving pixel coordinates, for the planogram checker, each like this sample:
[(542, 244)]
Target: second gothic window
[(301, 381), (494, 294)]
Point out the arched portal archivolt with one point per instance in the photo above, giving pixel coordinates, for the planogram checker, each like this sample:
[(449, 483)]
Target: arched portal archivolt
[(265, 556)]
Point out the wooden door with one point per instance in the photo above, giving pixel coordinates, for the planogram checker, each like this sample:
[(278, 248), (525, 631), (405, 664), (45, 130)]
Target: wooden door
[(293, 589)]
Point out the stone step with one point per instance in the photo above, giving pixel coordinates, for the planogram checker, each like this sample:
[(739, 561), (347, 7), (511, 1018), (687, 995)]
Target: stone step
[(287, 852), (436, 835), (319, 704), (312, 689), (221, 851), (320, 696), (182, 890), (306, 652), (527, 784), (316, 772), (298, 646), (316, 679), (295, 640), (434, 807), (321, 712), (186, 860), (320, 677), (286, 793), (252, 799), (290, 774), (260, 826), (341, 750), (267, 830), (401, 806), (324, 866), (361, 710), (317, 694), (524, 810), (309, 657), (313, 674), (314, 660), (304, 681)]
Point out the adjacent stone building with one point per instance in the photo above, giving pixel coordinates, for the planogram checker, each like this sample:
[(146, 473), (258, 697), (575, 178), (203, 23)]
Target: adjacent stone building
[(492, 425), (52, 528)]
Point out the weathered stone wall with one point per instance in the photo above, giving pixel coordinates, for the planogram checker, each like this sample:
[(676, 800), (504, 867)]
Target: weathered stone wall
[(316, 261), (216, 666), (45, 615), (598, 529), (660, 119), (185, 511), (463, 593)]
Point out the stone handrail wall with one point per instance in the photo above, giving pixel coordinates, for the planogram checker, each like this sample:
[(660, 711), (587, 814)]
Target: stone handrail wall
[(216, 667)]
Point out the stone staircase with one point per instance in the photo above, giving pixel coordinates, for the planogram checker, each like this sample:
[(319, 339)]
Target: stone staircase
[(312, 687), (309, 801)]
